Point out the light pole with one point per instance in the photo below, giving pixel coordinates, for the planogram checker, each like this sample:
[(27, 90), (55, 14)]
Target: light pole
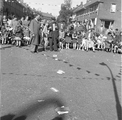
[(1, 11)]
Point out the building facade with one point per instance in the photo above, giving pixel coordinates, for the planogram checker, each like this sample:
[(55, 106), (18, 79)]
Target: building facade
[(17, 8), (100, 13), (47, 16)]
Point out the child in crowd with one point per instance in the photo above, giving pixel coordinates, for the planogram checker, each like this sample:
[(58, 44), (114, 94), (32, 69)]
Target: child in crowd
[(61, 39), (74, 37), (67, 39), (4, 34), (18, 34), (84, 42), (79, 40), (45, 32), (108, 42)]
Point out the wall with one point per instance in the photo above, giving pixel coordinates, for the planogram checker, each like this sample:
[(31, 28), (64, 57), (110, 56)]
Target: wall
[(13, 8), (104, 12)]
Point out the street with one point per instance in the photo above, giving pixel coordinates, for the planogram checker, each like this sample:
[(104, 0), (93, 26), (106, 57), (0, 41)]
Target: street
[(85, 86)]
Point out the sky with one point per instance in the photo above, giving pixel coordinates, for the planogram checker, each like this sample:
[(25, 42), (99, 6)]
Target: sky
[(50, 6)]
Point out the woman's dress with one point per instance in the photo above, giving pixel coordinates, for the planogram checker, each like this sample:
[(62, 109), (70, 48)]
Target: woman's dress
[(26, 31)]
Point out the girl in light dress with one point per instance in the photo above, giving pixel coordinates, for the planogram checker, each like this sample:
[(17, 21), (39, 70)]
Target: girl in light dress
[(74, 41), (79, 40), (45, 33), (61, 39), (3, 34), (67, 39)]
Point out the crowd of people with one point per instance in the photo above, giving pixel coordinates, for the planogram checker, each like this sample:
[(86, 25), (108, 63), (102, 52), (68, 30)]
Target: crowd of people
[(14, 30), (56, 36)]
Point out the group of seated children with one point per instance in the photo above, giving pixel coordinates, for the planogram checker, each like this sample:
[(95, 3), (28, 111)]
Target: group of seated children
[(66, 38), (15, 35)]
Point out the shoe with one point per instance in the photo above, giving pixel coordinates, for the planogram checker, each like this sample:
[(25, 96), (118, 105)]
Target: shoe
[(56, 50), (36, 51), (33, 52)]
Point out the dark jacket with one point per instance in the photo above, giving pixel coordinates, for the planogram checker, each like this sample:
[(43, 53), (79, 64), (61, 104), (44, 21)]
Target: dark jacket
[(53, 33)]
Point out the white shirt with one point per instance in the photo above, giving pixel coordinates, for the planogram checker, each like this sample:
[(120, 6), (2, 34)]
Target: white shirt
[(54, 27)]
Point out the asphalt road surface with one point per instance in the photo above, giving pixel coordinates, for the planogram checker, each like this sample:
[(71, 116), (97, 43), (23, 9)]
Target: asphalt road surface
[(34, 86)]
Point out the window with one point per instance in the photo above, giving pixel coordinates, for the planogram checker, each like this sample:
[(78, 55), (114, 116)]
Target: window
[(113, 8), (107, 23)]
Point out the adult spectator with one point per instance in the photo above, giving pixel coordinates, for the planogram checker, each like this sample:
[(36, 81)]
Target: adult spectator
[(26, 24), (35, 28), (9, 21), (14, 23), (53, 35), (22, 20), (117, 36)]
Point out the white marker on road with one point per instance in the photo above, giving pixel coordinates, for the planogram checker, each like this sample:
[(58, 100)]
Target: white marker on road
[(62, 112), (60, 72), (54, 89), (54, 56), (40, 100)]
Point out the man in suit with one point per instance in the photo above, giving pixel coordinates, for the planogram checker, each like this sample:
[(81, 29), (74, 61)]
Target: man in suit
[(53, 35), (35, 33)]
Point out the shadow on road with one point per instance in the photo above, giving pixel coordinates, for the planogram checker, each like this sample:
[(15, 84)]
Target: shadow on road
[(7, 117), (118, 105), (3, 48), (49, 101)]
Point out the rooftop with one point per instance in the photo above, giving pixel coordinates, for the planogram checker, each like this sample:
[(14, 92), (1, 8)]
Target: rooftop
[(80, 7), (92, 2)]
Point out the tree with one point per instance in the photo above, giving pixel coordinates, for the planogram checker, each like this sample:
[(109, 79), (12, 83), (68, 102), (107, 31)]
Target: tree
[(65, 12), (68, 3), (1, 11)]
